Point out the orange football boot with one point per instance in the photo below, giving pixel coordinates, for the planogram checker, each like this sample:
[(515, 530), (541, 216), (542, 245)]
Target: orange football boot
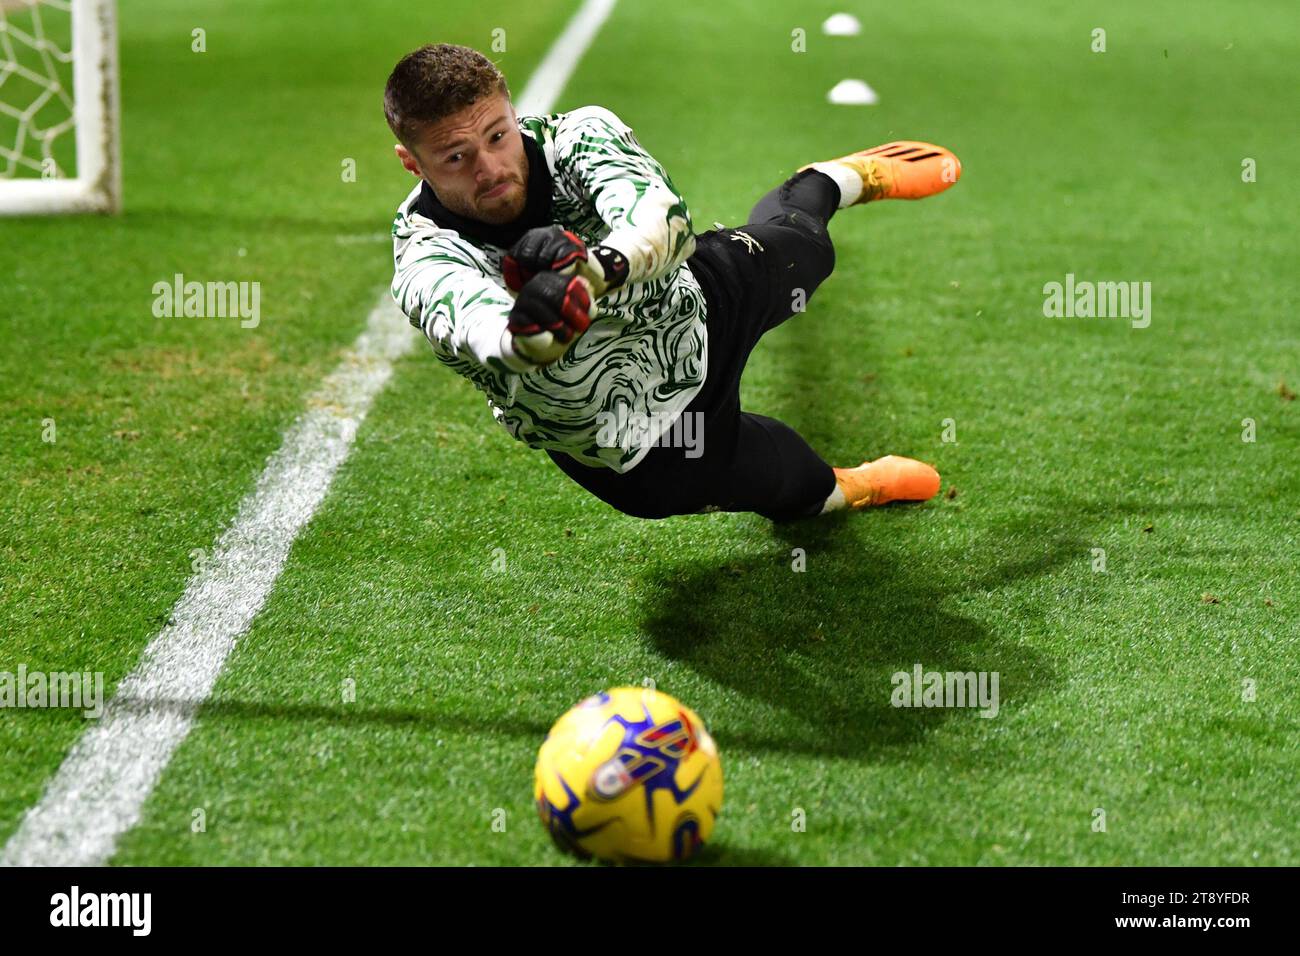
[(902, 170), (887, 479)]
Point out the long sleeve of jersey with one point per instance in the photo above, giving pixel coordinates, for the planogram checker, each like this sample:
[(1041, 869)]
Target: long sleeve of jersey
[(647, 218), (450, 297)]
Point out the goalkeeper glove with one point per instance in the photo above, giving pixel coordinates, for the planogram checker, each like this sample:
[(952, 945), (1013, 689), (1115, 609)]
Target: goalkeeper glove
[(559, 250), (549, 314)]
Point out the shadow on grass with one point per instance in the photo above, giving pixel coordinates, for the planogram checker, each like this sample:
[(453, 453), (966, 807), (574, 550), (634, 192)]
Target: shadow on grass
[(726, 854), (816, 650)]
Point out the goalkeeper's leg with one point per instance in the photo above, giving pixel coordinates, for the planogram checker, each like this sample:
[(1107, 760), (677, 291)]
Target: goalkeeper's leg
[(759, 274), (788, 226), (750, 463), (773, 472)]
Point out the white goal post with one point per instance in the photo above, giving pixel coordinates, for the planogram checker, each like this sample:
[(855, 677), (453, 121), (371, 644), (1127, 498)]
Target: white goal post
[(45, 45)]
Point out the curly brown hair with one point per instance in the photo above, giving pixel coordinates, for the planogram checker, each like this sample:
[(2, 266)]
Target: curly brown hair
[(435, 81)]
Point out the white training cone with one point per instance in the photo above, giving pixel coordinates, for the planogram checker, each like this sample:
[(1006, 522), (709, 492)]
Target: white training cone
[(842, 25), (852, 93)]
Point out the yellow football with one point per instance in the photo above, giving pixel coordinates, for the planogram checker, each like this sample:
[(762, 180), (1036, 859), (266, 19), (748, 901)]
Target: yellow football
[(630, 775)]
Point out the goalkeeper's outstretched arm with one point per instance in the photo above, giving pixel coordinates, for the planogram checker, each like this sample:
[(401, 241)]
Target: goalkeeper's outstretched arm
[(649, 223), (460, 310)]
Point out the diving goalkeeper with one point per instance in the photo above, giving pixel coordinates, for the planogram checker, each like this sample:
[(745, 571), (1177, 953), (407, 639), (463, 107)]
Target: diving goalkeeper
[(551, 261)]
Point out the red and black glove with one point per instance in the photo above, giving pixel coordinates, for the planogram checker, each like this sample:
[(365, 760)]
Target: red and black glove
[(559, 250), (545, 249), (549, 314)]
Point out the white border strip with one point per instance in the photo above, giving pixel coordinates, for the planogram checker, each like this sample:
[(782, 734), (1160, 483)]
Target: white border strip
[(99, 791)]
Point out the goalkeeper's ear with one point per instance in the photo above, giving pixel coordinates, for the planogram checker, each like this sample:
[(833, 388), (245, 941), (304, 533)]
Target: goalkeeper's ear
[(408, 160)]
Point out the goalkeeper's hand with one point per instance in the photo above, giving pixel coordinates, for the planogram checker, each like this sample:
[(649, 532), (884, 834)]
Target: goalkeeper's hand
[(561, 251), (549, 314)]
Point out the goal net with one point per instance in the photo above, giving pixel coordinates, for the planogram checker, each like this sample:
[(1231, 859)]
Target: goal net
[(58, 107)]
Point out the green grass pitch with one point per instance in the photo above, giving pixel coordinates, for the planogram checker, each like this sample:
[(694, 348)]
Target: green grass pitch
[(1123, 690)]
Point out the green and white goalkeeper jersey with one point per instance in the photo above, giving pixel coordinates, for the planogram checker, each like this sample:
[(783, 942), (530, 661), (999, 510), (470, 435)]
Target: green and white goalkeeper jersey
[(621, 385)]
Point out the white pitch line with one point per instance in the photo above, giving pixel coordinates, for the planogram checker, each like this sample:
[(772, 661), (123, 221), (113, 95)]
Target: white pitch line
[(548, 80), (99, 790)]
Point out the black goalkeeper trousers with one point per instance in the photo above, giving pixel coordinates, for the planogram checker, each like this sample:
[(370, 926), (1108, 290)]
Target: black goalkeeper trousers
[(754, 278)]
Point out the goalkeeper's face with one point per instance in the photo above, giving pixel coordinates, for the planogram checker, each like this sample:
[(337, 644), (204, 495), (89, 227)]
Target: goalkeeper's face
[(475, 161)]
